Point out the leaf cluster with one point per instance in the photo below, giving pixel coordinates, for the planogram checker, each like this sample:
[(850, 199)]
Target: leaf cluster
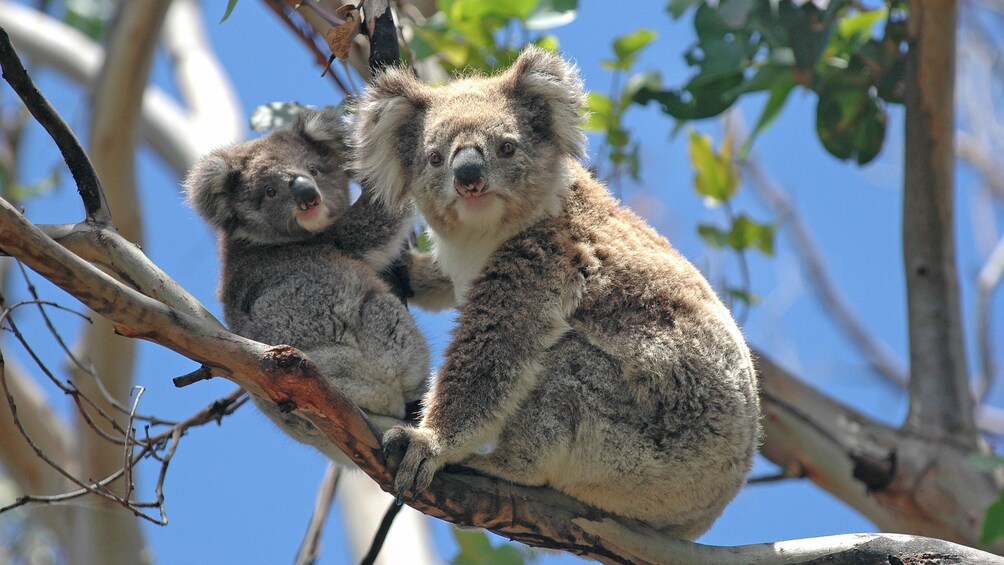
[(851, 56)]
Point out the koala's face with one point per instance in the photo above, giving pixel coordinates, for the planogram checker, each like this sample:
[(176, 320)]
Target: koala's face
[(285, 186), (478, 153)]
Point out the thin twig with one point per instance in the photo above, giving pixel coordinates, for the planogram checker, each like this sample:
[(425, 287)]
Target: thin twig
[(308, 38), (987, 282), (73, 153), (381, 534), (310, 549)]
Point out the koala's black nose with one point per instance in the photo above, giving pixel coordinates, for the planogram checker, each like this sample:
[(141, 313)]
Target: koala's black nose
[(469, 166), (305, 192)]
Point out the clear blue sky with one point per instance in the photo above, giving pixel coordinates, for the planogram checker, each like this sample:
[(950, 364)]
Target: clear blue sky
[(243, 492)]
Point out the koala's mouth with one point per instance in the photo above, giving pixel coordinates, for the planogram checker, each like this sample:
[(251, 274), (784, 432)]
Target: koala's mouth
[(476, 189)]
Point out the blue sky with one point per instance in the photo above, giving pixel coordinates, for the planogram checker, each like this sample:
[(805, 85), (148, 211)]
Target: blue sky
[(242, 492)]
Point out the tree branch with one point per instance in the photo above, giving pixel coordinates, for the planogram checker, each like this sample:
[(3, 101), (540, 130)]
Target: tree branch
[(940, 400), (73, 153), (898, 480), (310, 549), (875, 351)]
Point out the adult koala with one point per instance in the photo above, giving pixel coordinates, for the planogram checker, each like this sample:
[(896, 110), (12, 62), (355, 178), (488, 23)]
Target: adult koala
[(589, 356)]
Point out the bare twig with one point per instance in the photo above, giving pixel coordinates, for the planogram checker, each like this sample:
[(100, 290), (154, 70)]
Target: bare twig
[(877, 352), (381, 534), (986, 283), (310, 549), (310, 39), (80, 166)]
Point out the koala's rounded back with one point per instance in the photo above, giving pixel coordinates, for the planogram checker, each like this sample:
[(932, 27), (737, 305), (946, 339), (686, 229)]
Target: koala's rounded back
[(284, 186)]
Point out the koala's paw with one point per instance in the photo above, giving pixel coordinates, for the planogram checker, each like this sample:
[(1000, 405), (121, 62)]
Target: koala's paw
[(422, 458)]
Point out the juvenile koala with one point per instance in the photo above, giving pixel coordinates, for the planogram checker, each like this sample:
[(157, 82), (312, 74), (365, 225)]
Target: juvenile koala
[(300, 267), (589, 356)]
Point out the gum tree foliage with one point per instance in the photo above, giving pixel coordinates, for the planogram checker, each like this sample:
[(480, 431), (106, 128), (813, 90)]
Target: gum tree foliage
[(854, 58)]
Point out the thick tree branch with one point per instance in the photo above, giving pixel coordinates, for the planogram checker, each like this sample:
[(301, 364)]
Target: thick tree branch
[(898, 480), (941, 405)]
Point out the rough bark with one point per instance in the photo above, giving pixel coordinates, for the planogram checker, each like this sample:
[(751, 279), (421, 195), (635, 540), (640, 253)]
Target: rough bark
[(941, 406)]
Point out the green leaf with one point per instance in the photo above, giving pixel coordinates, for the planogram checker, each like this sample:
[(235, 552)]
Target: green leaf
[(714, 236), (91, 17), (736, 13), (548, 43), (715, 175), (626, 47), (274, 115), (676, 8), (862, 23), (550, 14), (744, 296), (424, 242), (749, 234), (651, 80), (231, 4), (778, 95), (600, 109), (699, 99), (476, 549), (984, 462), (993, 522), (849, 121), (617, 137)]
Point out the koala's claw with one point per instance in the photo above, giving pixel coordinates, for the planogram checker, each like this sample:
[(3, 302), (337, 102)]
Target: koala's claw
[(421, 458)]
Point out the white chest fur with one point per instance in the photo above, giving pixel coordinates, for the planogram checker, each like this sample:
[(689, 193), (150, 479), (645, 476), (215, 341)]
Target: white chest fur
[(463, 258)]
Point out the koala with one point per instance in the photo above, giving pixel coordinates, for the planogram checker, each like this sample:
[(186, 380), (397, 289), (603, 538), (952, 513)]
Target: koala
[(300, 267), (589, 355)]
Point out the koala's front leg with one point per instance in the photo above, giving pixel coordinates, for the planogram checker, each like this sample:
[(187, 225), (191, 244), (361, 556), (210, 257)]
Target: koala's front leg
[(516, 309), (371, 231), (431, 289)]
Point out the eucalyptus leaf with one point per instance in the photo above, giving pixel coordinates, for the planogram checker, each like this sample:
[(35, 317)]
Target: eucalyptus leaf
[(231, 4), (274, 115), (715, 175), (993, 522), (548, 14), (626, 47)]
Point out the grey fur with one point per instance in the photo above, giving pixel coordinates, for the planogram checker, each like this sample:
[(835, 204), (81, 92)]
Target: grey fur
[(309, 277), (589, 354)]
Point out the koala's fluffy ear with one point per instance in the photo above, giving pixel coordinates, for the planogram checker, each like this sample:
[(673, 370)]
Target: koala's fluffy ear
[(553, 82), (209, 188), (387, 133), (322, 126)]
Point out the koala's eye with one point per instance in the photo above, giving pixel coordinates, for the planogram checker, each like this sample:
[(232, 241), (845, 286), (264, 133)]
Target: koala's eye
[(313, 171), (435, 159), (270, 192), (507, 149)]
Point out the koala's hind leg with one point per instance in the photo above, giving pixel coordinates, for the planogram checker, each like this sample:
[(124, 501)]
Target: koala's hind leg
[(392, 343), (367, 383), (582, 432)]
